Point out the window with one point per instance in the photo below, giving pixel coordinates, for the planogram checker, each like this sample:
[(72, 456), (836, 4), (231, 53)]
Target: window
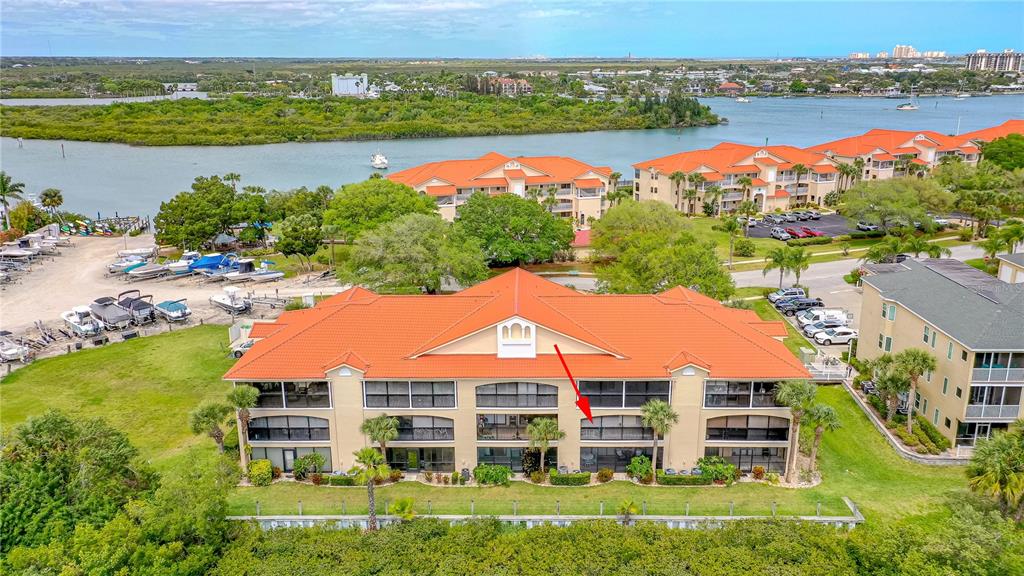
[(935, 417), (404, 394), (304, 428), (892, 311), (888, 344), (884, 308), (945, 385), (959, 392), (603, 394), (963, 355), (948, 423), (924, 406), (412, 459), (517, 395), (619, 394), (881, 341), (593, 459), (719, 394), (949, 351), (284, 458), (638, 393), (747, 428), (926, 334), (615, 428), (511, 457), (293, 394), (504, 426), (934, 336), (928, 375), (425, 429)]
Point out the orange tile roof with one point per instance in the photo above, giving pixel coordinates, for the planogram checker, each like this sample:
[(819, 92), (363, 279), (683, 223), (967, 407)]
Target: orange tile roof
[(970, 149), (743, 169), (588, 183), (1015, 126), (758, 182), (781, 193), (886, 140), (729, 157), (468, 173), (883, 157), (636, 335), (447, 190), (918, 161), (264, 329), (824, 169), (902, 151)]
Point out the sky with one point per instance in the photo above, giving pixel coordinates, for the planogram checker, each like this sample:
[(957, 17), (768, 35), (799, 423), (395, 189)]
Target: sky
[(500, 28)]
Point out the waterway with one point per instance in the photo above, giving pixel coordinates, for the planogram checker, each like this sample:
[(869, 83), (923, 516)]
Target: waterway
[(102, 177)]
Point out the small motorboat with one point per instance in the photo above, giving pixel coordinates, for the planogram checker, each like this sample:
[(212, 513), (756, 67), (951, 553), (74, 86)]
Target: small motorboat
[(109, 315), (182, 265), (230, 300), (144, 252), (742, 100), (16, 253), (379, 161), (147, 271), (139, 307), (246, 268), (123, 265), (264, 274), (963, 96), (207, 262), (907, 107), (174, 310), (80, 322), (12, 351)]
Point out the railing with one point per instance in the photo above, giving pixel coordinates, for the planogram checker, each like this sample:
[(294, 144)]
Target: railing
[(732, 196), (997, 374), (502, 433), (588, 192), (992, 410)]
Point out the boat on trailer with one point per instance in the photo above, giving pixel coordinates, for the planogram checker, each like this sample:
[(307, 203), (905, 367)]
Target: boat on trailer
[(174, 310), (246, 268), (11, 350), (125, 265), (106, 311), (144, 252), (80, 322), (147, 271), (230, 300), (138, 306), (182, 265)]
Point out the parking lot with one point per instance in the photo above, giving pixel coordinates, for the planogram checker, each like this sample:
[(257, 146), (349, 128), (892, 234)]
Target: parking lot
[(831, 224)]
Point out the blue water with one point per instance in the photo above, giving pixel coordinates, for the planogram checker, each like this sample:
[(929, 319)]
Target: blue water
[(134, 180)]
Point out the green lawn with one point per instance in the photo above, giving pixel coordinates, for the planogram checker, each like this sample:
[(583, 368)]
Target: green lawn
[(856, 462), (982, 265), (144, 387), (795, 341)]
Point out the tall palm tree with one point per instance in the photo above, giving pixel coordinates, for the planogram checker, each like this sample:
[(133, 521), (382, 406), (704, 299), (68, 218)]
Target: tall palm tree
[(677, 177), (798, 395), (613, 181), (799, 260), (659, 416), (914, 363), (777, 258), (51, 199), (918, 244), (208, 419), (992, 245), (370, 469), (730, 226), (823, 417), (242, 398), (9, 190), (799, 170), (1012, 233), (885, 250), (745, 183), (748, 209), (713, 195), (692, 193), (543, 431), (380, 429), (996, 470), (331, 232), (234, 178)]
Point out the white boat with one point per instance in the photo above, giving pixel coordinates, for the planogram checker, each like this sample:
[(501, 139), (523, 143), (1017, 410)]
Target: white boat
[(147, 271), (266, 275), (16, 253), (181, 265), (963, 96), (174, 310), (80, 322), (379, 161), (907, 107), (11, 351), (231, 300), (123, 265), (144, 252), (109, 315), (246, 268), (743, 100)]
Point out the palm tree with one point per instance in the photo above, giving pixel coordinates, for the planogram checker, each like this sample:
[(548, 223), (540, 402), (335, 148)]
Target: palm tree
[(207, 419), (9, 190), (1012, 233), (627, 508), (996, 470), (745, 183), (542, 431), (613, 181), (799, 260), (730, 226), (331, 232), (713, 196), (885, 250), (992, 245), (696, 180), (918, 244), (823, 417), (777, 258), (51, 198), (677, 177), (242, 398), (370, 469), (798, 395), (799, 170), (380, 429), (234, 178), (914, 363), (659, 417), (748, 209), (858, 166)]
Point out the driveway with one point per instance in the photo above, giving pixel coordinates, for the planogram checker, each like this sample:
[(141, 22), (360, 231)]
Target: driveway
[(831, 224)]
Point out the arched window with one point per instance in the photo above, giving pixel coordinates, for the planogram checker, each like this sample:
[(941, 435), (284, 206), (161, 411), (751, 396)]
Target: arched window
[(516, 395), (299, 428)]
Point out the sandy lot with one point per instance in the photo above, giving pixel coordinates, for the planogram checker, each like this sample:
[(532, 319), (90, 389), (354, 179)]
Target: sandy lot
[(79, 275)]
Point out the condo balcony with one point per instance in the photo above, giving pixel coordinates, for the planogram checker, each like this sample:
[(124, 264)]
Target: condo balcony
[(993, 411), (998, 367), (589, 192), (994, 402)]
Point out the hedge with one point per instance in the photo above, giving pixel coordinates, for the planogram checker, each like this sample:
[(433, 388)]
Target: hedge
[(261, 472), (578, 479), (809, 241), (682, 480), (492, 474), (940, 441), (341, 480), (872, 234), (744, 247)]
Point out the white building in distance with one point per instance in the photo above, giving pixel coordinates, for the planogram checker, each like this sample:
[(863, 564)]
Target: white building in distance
[(350, 85)]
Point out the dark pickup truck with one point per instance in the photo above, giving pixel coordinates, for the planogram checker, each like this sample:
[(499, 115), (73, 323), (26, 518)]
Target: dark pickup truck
[(792, 306)]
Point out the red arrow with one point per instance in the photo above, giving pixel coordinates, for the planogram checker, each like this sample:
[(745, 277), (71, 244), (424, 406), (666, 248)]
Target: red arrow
[(582, 402)]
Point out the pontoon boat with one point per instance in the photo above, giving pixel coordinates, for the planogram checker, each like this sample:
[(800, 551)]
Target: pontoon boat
[(174, 310), (140, 307), (109, 315)]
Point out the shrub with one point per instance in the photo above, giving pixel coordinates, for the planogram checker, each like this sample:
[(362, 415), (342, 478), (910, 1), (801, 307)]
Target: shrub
[(531, 460), (341, 480), (395, 475), (809, 241), (933, 434), (966, 234), (758, 472), (414, 460), (445, 480), (878, 404), (682, 480), (855, 275), (537, 477), (639, 467), (294, 304), (907, 438), (316, 478), (462, 480), (310, 463), (428, 475), (716, 469), (744, 247), (858, 235), (605, 475), (580, 479), (492, 474), (772, 478), (456, 477), (276, 472), (261, 473)]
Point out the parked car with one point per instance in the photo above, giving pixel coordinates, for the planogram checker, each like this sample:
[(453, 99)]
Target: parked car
[(780, 234), (802, 215), (239, 350), (771, 219), (868, 387), (812, 329), (831, 336), (786, 293), (795, 232), (790, 217), (791, 306), (815, 215), (866, 226), (811, 232), (750, 222), (819, 314)]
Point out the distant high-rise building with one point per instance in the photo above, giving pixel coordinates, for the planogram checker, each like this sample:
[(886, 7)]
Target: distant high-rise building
[(1005, 61), (933, 54), (901, 51), (882, 54), (859, 55)]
